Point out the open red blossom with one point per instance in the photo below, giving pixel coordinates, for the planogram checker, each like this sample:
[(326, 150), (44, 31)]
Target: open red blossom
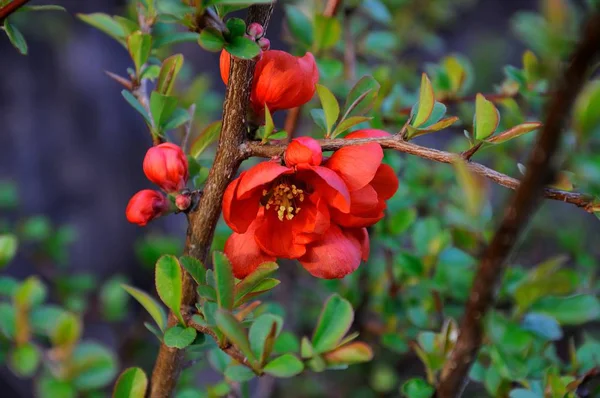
[(281, 80), (285, 211), (370, 183), (145, 206), (166, 166)]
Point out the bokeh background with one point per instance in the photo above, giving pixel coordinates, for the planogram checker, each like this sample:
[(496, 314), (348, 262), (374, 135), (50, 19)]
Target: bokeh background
[(73, 148)]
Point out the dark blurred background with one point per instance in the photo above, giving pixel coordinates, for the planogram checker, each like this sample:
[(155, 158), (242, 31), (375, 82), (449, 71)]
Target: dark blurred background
[(74, 148)]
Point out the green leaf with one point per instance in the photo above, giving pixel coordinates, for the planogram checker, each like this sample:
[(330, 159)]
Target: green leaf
[(426, 102), (129, 26), (286, 342), (211, 39), (113, 299), (162, 107), (348, 123), (234, 332), (136, 105), (219, 360), (139, 45), (487, 117), (66, 331), (132, 383), (150, 305), (543, 326), (361, 97), (306, 348), (239, 373), (417, 388), (573, 310), (523, 393), (30, 293), (330, 106), (262, 330), (16, 37), (585, 118), (349, 354), (300, 25), (171, 38), (194, 267), (179, 337), (334, 322), (8, 248), (169, 284), (328, 31), (242, 47), (49, 387), (8, 286), (48, 7), (207, 292), (286, 365), (104, 23), (236, 27), (250, 282), (24, 360), (94, 366), (514, 132), (177, 119), (318, 117), (238, 2), (206, 137), (225, 282), (42, 319), (264, 286), (168, 73), (269, 125), (472, 186)]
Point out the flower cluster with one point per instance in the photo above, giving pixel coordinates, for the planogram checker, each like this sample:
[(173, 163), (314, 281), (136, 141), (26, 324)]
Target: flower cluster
[(309, 209), (281, 80), (166, 166)]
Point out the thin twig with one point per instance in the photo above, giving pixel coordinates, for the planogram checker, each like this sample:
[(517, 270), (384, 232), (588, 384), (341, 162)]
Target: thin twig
[(10, 8), (202, 221), (541, 170), (395, 142)]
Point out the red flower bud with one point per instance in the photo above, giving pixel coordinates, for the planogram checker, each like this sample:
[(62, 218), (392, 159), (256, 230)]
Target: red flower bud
[(281, 80), (255, 30), (145, 206), (264, 43), (166, 166), (183, 201)]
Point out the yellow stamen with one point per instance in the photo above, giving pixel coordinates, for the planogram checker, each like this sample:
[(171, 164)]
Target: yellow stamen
[(284, 199)]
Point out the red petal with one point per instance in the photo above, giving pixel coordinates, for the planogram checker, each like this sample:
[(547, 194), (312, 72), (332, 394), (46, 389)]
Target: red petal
[(303, 150), (224, 64), (356, 164), (335, 256), (328, 184), (261, 174), (368, 133), (239, 214), (366, 209), (312, 221), (385, 182), (276, 237), (244, 253), (362, 235)]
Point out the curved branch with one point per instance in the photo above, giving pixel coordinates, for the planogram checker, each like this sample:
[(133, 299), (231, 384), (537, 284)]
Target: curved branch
[(395, 142), (541, 169), (10, 8), (203, 219)]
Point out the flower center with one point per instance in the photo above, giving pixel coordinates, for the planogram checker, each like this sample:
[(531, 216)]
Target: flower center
[(284, 199)]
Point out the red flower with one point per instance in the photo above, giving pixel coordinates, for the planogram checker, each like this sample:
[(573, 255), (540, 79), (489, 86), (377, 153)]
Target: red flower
[(145, 206), (281, 80), (370, 183), (166, 166), (285, 211)]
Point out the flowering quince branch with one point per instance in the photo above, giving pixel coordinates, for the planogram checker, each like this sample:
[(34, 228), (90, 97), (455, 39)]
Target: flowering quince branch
[(202, 221), (541, 169), (395, 142), (10, 8)]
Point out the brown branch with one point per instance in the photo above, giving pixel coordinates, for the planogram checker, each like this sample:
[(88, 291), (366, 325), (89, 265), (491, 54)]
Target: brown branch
[(332, 7), (10, 8), (395, 142), (541, 169), (203, 220)]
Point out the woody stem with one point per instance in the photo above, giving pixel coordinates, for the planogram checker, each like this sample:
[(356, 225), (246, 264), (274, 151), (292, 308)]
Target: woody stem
[(203, 219), (395, 142)]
